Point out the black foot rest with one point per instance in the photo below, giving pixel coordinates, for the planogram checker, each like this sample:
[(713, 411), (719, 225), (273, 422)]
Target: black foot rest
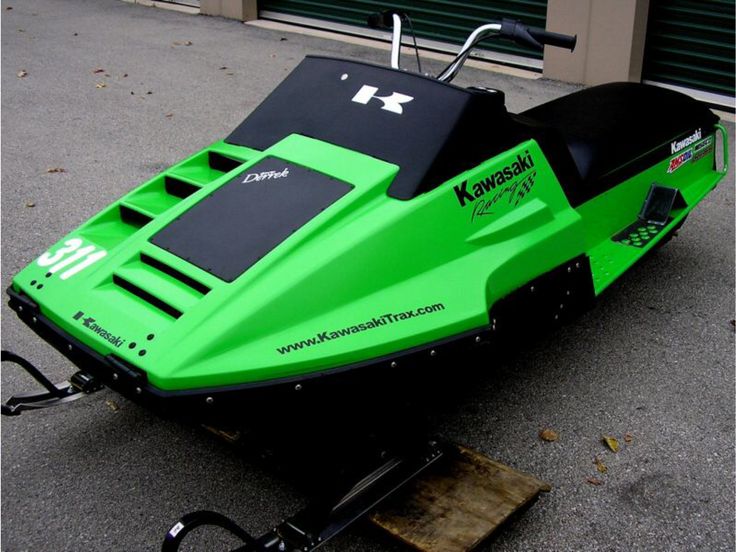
[(637, 234), (653, 217)]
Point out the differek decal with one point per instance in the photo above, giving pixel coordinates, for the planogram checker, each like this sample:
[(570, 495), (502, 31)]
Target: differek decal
[(468, 194), (682, 144), (91, 323), (266, 175), (373, 323)]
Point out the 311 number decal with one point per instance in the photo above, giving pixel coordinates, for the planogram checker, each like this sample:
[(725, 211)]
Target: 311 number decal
[(71, 255)]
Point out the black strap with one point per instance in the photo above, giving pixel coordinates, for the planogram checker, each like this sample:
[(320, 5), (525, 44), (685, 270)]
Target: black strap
[(192, 520), (9, 356)]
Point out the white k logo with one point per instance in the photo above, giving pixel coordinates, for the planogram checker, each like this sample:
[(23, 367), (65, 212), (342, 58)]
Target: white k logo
[(391, 103)]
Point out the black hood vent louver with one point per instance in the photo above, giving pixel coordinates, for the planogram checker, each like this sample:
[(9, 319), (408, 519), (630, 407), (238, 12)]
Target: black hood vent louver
[(183, 278), (148, 297)]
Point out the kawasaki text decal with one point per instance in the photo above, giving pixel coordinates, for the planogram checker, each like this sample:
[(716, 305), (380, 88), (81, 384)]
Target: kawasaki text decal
[(383, 320), (467, 194), (91, 324)]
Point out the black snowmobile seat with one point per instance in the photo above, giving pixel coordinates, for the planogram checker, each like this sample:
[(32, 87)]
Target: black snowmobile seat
[(612, 132)]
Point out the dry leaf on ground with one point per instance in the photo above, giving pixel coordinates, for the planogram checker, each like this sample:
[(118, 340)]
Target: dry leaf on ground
[(56, 170), (30, 204), (595, 481), (628, 438), (600, 466), (610, 442), (113, 405), (548, 435), (98, 71), (22, 73), (100, 85)]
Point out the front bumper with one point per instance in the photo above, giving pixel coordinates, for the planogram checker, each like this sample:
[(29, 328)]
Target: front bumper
[(237, 400)]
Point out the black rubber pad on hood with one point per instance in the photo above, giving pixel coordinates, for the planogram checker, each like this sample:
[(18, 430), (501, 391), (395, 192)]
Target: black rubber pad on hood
[(240, 222)]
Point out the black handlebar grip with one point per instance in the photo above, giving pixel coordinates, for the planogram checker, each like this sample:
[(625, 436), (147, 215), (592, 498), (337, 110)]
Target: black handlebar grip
[(553, 39), (376, 21), (384, 19)]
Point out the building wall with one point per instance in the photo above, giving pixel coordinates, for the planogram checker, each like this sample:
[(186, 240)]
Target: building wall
[(611, 37), (611, 33)]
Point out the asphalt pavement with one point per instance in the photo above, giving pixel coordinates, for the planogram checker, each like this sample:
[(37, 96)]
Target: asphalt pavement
[(113, 93)]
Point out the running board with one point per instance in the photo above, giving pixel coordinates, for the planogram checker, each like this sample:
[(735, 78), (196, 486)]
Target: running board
[(653, 217)]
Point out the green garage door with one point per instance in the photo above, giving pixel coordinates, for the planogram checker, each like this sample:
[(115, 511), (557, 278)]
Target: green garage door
[(691, 43), (441, 20)]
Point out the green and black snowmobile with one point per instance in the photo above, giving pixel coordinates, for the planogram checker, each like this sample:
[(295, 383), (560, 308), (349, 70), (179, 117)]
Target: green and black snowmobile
[(363, 219)]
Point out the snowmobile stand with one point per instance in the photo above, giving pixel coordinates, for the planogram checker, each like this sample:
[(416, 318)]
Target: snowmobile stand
[(434, 497)]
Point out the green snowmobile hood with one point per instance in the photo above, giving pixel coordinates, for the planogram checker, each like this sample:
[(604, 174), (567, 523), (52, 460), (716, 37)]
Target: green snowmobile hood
[(367, 276)]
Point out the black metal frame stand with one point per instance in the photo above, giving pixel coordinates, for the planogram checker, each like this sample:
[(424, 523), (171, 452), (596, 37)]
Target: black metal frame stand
[(79, 384), (324, 518)]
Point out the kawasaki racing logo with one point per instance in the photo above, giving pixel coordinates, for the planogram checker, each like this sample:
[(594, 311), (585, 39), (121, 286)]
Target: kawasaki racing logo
[(682, 144), (91, 324), (493, 180)]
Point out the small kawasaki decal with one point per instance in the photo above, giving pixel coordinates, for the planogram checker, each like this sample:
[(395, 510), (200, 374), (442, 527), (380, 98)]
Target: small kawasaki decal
[(682, 144), (390, 103), (375, 322), (90, 323), (492, 181)]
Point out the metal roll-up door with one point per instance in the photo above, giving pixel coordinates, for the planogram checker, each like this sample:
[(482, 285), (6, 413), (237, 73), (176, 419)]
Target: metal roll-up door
[(440, 20), (690, 43)]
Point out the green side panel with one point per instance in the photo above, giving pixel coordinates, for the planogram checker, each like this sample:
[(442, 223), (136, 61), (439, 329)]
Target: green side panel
[(441, 20), (691, 43), (607, 214)]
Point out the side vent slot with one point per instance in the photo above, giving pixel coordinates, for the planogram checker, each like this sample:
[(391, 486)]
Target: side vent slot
[(142, 294), (133, 217), (183, 278), (222, 163), (179, 188)]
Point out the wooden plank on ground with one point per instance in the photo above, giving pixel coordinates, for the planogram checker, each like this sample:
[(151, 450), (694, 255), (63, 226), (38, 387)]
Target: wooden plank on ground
[(458, 504)]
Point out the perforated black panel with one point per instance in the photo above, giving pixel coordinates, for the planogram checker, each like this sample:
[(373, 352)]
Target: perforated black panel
[(235, 226)]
